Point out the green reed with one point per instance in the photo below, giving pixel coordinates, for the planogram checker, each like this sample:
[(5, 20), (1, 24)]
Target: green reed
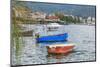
[(16, 37)]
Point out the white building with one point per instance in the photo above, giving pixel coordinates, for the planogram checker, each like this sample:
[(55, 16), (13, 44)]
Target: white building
[(91, 20), (38, 15)]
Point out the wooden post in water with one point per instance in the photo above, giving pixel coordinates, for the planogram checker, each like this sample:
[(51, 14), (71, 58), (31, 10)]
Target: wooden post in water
[(34, 39), (35, 35)]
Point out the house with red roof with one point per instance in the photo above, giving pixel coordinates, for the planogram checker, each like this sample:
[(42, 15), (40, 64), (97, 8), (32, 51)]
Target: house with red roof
[(52, 18)]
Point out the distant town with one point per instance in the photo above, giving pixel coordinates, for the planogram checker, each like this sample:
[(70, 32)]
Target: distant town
[(25, 15), (55, 17)]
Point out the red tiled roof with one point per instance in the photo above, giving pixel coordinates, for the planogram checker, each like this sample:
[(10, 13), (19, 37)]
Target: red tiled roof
[(52, 17)]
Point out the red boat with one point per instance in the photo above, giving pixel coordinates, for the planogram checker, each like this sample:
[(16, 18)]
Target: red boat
[(60, 48)]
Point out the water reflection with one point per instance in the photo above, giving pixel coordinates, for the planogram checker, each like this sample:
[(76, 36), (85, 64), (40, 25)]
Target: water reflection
[(58, 56)]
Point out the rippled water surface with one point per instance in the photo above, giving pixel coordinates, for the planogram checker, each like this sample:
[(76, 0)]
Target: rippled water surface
[(82, 35)]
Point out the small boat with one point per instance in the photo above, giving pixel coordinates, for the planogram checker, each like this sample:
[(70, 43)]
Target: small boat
[(51, 32), (54, 27), (60, 48), (51, 38)]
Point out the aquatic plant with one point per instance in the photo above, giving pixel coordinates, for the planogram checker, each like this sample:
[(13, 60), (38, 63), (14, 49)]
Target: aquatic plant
[(19, 16), (15, 36), (16, 29)]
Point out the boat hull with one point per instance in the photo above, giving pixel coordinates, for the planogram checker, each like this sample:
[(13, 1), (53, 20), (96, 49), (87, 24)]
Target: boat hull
[(60, 37), (60, 49)]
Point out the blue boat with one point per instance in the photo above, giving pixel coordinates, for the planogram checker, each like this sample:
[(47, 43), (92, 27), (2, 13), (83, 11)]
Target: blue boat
[(51, 38)]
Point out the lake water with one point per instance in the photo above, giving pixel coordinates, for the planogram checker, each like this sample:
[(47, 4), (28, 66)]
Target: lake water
[(82, 35)]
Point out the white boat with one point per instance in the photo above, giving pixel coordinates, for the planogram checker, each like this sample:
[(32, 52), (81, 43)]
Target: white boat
[(54, 26)]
